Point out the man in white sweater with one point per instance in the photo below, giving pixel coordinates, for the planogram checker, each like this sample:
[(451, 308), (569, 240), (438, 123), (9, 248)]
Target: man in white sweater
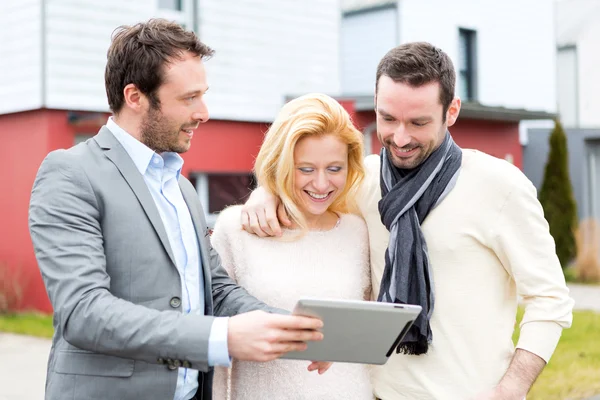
[(459, 232)]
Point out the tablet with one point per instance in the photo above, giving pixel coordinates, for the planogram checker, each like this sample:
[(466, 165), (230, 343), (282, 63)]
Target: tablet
[(355, 331)]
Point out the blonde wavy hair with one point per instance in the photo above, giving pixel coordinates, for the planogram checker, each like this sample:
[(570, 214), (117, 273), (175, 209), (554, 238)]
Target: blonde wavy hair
[(313, 114)]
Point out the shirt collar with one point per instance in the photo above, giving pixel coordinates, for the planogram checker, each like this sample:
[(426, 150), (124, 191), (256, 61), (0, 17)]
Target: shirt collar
[(140, 153)]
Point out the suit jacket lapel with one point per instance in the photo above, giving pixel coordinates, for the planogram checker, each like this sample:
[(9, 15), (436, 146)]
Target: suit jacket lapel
[(193, 203), (117, 154)]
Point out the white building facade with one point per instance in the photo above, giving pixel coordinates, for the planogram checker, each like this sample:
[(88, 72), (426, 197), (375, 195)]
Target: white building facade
[(54, 51), (504, 52), (578, 40)]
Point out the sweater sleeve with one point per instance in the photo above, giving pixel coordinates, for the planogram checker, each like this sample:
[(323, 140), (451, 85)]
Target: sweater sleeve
[(222, 238), (222, 383), (221, 241), (521, 239)]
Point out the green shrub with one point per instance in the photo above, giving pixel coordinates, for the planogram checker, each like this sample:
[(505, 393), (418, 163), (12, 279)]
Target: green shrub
[(556, 196)]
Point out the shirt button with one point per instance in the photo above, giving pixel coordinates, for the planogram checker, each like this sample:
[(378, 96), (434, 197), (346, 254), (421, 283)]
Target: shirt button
[(175, 302), (177, 363), (160, 360), (187, 364)]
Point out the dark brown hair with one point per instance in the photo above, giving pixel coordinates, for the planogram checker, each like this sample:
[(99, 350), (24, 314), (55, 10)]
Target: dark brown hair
[(417, 64), (139, 53)]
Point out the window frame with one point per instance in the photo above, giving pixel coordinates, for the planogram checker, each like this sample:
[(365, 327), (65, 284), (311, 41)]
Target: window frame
[(467, 73), (179, 6), (203, 190)]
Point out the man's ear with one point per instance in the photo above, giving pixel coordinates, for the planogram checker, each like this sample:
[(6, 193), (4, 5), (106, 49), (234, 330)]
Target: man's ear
[(453, 111), (134, 99)]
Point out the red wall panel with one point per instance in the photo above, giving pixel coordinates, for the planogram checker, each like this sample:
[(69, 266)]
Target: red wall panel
[(218, 146), (229, 146), (26, 138), (24, 141), (224, 146), (497, 138)]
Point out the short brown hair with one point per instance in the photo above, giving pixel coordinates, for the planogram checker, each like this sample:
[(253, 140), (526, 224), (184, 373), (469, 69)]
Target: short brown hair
[(417, 64), (139, 53)]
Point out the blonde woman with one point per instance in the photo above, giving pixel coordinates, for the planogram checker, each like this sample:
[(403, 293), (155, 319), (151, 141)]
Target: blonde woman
[(312, 158)]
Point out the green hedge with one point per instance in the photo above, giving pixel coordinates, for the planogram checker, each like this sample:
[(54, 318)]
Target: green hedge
[(556, 196)]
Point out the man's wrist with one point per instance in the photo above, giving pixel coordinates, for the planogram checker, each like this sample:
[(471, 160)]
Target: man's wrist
[(509, 389), (522, 372)]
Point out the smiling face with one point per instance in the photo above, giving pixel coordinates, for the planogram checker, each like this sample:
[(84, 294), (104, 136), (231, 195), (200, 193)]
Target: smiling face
[(410, 120), (170, 124), (321, 170)]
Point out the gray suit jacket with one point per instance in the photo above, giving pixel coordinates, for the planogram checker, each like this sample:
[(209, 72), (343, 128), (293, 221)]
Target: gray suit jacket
[(110, 274)]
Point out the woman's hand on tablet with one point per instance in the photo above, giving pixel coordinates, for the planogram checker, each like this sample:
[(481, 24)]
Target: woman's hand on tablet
[(321, 366)]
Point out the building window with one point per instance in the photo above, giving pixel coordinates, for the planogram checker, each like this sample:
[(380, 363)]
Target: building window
[(170, 4), (467, 64), (367, 31), (218, 191), (182, 12)]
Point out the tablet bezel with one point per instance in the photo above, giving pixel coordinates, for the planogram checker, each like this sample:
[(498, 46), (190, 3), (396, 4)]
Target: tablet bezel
[(317, 307)]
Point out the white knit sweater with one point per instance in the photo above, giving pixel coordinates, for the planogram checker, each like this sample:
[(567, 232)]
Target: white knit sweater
[(487, 241), (332, 264)]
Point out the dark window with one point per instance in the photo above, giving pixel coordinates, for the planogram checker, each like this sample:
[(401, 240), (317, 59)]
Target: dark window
[(223, 190), (467, 64), (227, 190), (170, 4)]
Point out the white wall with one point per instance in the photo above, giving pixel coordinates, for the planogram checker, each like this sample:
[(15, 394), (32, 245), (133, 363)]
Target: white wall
[(77, 37), (348, 5), (20, 55), (572, 17), (588, 55), (366, 37), (578, 25), (516, 53), (567, 70), (265, 51)]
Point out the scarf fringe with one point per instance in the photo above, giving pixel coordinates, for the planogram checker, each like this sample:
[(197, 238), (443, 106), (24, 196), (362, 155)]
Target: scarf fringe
[(412, 348)]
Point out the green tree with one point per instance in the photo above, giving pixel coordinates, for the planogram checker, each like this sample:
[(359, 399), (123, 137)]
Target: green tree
[(557, 197)]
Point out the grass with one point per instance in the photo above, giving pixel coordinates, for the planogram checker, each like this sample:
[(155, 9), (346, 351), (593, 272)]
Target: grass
[(27, 324), (571, 276), (574, 370)]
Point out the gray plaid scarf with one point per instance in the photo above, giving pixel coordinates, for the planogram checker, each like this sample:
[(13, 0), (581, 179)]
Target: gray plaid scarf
[(407, 197)]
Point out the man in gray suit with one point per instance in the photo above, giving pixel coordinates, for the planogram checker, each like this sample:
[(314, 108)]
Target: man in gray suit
[(123, 247)]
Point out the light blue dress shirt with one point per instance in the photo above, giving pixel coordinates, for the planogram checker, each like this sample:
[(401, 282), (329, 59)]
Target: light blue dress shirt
[(161, 174)]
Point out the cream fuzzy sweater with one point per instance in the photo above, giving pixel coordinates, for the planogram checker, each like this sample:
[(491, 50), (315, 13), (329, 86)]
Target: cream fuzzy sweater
[(333, 264), (488, 241)]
